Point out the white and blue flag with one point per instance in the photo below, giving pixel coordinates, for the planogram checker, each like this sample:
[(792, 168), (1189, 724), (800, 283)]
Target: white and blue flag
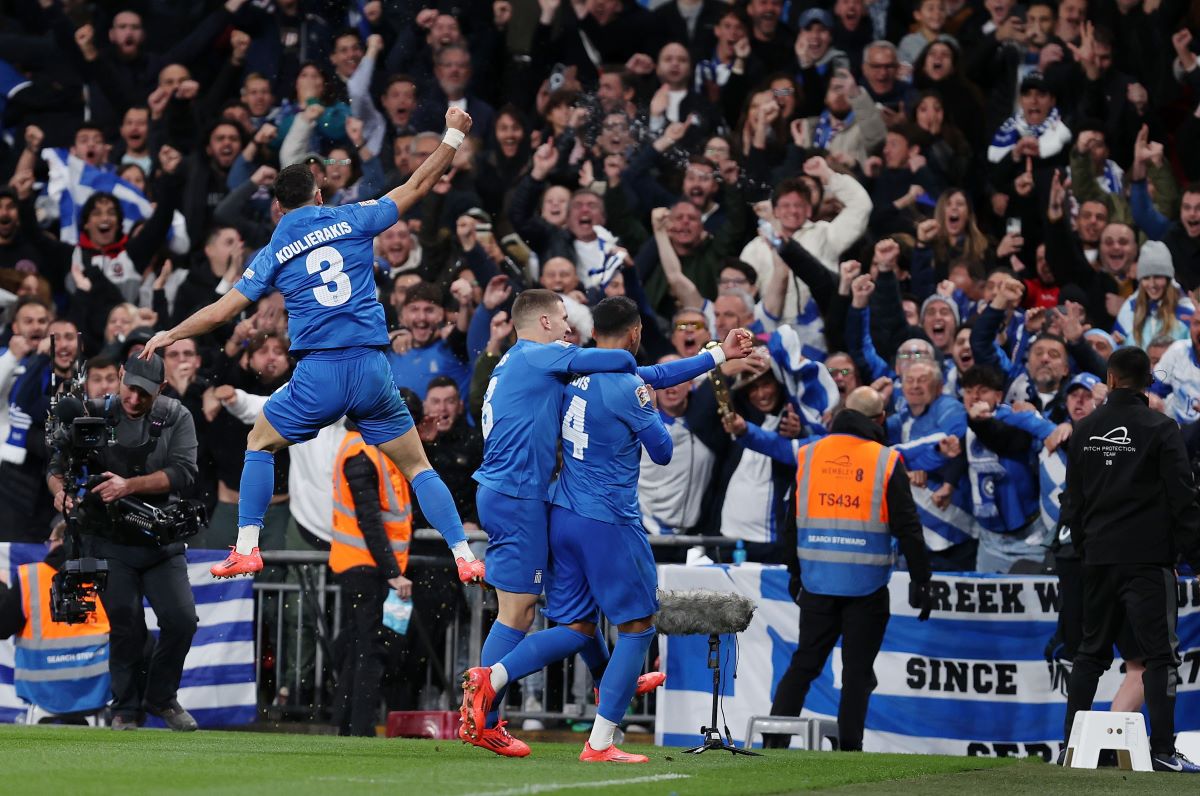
[(218, 675), (73, 180)]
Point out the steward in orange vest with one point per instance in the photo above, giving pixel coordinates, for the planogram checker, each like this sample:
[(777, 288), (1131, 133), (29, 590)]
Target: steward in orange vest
[(372, 527), (59, 667), (853, 502)]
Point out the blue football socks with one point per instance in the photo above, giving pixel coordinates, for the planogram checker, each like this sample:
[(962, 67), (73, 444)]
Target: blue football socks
[(540, 649), (500, 641), (438, 506), (620, 679), (595, 655), (254, 492)]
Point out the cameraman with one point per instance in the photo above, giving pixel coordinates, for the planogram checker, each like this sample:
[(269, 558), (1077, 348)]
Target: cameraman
[(154, 458)]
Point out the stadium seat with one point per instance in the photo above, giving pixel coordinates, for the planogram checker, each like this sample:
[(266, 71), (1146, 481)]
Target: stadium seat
[(1096, 730)]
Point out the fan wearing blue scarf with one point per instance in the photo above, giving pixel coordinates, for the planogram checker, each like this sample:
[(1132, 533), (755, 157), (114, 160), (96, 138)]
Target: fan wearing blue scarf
[(1037, 130)]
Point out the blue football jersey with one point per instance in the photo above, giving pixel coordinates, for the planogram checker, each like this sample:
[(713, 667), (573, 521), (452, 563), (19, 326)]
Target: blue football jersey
[(602, 415), (521, 418), (321, 260)]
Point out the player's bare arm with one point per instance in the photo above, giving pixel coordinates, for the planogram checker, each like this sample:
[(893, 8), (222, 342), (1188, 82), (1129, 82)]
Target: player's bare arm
[(202, 321), (428, 173)]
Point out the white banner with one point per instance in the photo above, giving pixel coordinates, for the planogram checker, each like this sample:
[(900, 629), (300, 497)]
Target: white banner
[(972, 680)]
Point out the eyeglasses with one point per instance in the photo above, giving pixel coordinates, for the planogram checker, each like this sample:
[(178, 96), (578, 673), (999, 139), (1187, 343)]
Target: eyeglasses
[(336, 161), (913, 355), (843, 372), (689, 326), (783, 92)]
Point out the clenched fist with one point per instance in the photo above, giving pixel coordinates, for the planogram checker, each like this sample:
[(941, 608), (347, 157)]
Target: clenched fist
[(458, 119)]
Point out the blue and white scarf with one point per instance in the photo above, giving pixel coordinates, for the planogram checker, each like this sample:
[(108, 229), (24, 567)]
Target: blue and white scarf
[(825, 129), (985, 470), (1015, 128)]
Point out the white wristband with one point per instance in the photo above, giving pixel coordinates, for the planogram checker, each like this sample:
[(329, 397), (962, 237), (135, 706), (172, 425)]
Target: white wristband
[(718, 355), (454, 138)]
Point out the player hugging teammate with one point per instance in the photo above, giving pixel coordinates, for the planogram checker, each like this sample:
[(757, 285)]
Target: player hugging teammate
[(581, 541)]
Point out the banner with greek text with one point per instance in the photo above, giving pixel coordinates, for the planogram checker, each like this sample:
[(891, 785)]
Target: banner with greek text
[(973, 680)]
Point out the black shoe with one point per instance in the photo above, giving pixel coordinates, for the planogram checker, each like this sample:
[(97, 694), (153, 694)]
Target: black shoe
[(1062, 757), (175, 716), (1175, 762), (124, 723)]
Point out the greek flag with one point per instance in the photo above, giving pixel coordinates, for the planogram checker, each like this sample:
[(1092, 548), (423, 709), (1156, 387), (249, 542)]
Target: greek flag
[(218, 674), (72, 181), (972, 681)]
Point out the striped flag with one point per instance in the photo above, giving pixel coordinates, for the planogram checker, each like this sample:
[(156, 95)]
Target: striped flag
[(218, 674), (72, 181)]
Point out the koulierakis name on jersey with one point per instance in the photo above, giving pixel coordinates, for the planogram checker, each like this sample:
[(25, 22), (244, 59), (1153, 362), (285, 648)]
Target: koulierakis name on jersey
[(312, 239)]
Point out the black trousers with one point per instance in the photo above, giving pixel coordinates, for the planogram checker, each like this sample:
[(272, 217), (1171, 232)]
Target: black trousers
[(362, 651), (1144, 596), (860, 622), (160, 576)]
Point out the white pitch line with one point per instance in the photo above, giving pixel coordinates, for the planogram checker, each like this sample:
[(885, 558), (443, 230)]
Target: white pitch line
[(549, 787), (524, 790)]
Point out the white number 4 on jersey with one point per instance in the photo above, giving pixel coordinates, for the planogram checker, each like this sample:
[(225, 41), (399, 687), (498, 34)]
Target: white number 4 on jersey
[(572, 426)]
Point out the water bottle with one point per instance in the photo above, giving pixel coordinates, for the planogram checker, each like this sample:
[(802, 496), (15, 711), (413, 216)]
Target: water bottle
[(396, 613), (739, 553)]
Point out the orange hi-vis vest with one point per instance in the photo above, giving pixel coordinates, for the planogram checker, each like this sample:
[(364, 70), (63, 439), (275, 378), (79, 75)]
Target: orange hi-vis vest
[(842, 536), (61, 668), (348, 548)]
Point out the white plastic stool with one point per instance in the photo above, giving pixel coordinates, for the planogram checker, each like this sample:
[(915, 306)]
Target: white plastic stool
[(811, 731), (1124, 733)]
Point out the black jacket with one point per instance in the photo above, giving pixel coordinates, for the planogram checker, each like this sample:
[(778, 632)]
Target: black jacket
[(1129, 497)]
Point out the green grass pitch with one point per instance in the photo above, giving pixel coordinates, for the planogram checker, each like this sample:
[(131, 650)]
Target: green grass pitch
[(60, 760)]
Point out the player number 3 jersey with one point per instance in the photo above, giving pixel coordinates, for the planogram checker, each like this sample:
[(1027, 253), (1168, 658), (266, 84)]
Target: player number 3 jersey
[(320, 258)]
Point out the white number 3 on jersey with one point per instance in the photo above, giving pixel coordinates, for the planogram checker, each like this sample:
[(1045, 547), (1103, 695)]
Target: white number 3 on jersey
[(336, 288), (572, 426)]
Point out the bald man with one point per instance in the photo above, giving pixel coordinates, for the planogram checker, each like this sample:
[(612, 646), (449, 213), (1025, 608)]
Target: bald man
[(845, 483)]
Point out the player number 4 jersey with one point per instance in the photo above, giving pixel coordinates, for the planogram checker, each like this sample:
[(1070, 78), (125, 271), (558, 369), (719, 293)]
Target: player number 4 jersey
[(602, 415)]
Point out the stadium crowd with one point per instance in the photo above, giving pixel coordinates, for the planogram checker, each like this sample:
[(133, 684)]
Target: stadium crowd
[(967, 205)]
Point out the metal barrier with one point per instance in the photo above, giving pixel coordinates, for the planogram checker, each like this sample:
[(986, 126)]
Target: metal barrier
[(298, 612)]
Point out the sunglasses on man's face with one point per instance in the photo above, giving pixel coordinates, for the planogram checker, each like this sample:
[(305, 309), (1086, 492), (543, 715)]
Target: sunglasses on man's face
[(843, 372), (689, 326)]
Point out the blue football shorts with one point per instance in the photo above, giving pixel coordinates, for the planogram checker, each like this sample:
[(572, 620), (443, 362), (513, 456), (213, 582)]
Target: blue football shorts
[(597, 567), (327, 384), (518, 540)]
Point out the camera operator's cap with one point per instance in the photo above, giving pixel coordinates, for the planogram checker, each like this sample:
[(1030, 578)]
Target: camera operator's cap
[(1035, 81), (816, 15), (146, 374), (1084, 380)]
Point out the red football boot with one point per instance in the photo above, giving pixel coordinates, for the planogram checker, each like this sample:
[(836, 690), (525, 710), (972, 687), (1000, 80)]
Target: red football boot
[(496, 739), (610, 755), (478, 696), (237, 564), (470, 571), (645, 684)]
